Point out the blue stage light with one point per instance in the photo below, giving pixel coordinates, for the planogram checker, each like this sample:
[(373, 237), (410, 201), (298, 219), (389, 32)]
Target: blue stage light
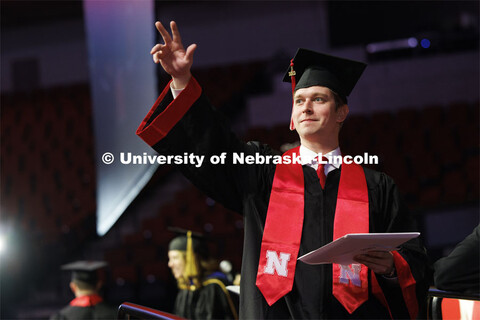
[(425, 43)]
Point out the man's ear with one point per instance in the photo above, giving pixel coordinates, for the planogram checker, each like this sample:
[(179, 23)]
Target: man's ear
[(342, 113), (99, 285), (73, 287)]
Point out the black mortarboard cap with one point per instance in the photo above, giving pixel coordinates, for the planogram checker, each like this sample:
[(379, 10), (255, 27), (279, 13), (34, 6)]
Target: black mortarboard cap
[(180, 242), (85, 271), (318, 69)]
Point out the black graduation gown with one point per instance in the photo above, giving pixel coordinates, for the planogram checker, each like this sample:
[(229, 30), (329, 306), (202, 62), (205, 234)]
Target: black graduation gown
[(189, 124), (211, 301), (99, 311), (460, 270)]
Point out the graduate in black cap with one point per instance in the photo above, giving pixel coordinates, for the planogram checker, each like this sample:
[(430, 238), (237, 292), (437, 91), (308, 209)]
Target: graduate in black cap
[(85, 285), (292, 207), (202, 288)]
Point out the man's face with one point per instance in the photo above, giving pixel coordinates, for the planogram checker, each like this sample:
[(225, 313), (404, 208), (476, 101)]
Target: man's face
[(314, 114), (176, 262)]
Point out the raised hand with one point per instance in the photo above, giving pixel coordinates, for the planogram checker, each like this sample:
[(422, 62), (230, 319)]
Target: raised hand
[(175, 60)]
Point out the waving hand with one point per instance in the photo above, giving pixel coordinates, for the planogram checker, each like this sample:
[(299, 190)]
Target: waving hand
[(175, 60)]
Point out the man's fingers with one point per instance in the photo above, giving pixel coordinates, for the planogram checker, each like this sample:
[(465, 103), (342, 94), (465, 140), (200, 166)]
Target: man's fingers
[(378, 258), (377, 268), (175, 32), (378, 254), (379, 261), (190, 50), (156, 48), (163, 32), (156, 57)]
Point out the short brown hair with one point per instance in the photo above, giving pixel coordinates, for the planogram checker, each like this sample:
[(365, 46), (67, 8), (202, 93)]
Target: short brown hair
[(339, 101)]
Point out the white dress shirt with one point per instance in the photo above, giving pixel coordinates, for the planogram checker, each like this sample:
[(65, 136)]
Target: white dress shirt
[(310, 158), (175, 92)]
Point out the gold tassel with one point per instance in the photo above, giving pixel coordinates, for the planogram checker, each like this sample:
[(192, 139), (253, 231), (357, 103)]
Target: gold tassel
[(191, 271)]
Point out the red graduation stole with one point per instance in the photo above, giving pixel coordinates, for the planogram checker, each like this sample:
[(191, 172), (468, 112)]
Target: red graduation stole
[(350, 283), (86, 301), (283, 231)]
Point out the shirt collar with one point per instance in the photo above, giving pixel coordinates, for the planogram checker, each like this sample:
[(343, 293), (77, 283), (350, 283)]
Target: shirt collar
[(307, 156)]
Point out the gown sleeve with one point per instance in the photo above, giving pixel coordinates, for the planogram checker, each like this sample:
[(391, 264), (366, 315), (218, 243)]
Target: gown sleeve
[(189, 125)]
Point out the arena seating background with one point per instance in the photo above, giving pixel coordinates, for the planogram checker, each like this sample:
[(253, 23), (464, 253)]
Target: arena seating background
[(48, 181)]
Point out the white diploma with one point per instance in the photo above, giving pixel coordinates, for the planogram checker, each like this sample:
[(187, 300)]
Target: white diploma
[(343, 249)]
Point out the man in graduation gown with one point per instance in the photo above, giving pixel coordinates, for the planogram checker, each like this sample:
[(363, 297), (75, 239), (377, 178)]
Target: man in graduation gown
[(202, 288), (85, 285), (290, 210)]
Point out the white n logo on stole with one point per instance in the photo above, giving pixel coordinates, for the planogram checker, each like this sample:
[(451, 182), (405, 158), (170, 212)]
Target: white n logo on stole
[(353, 274), (274, 263)]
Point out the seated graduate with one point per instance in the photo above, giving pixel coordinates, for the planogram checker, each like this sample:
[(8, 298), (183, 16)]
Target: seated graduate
[(202, 288), (86, 285)]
